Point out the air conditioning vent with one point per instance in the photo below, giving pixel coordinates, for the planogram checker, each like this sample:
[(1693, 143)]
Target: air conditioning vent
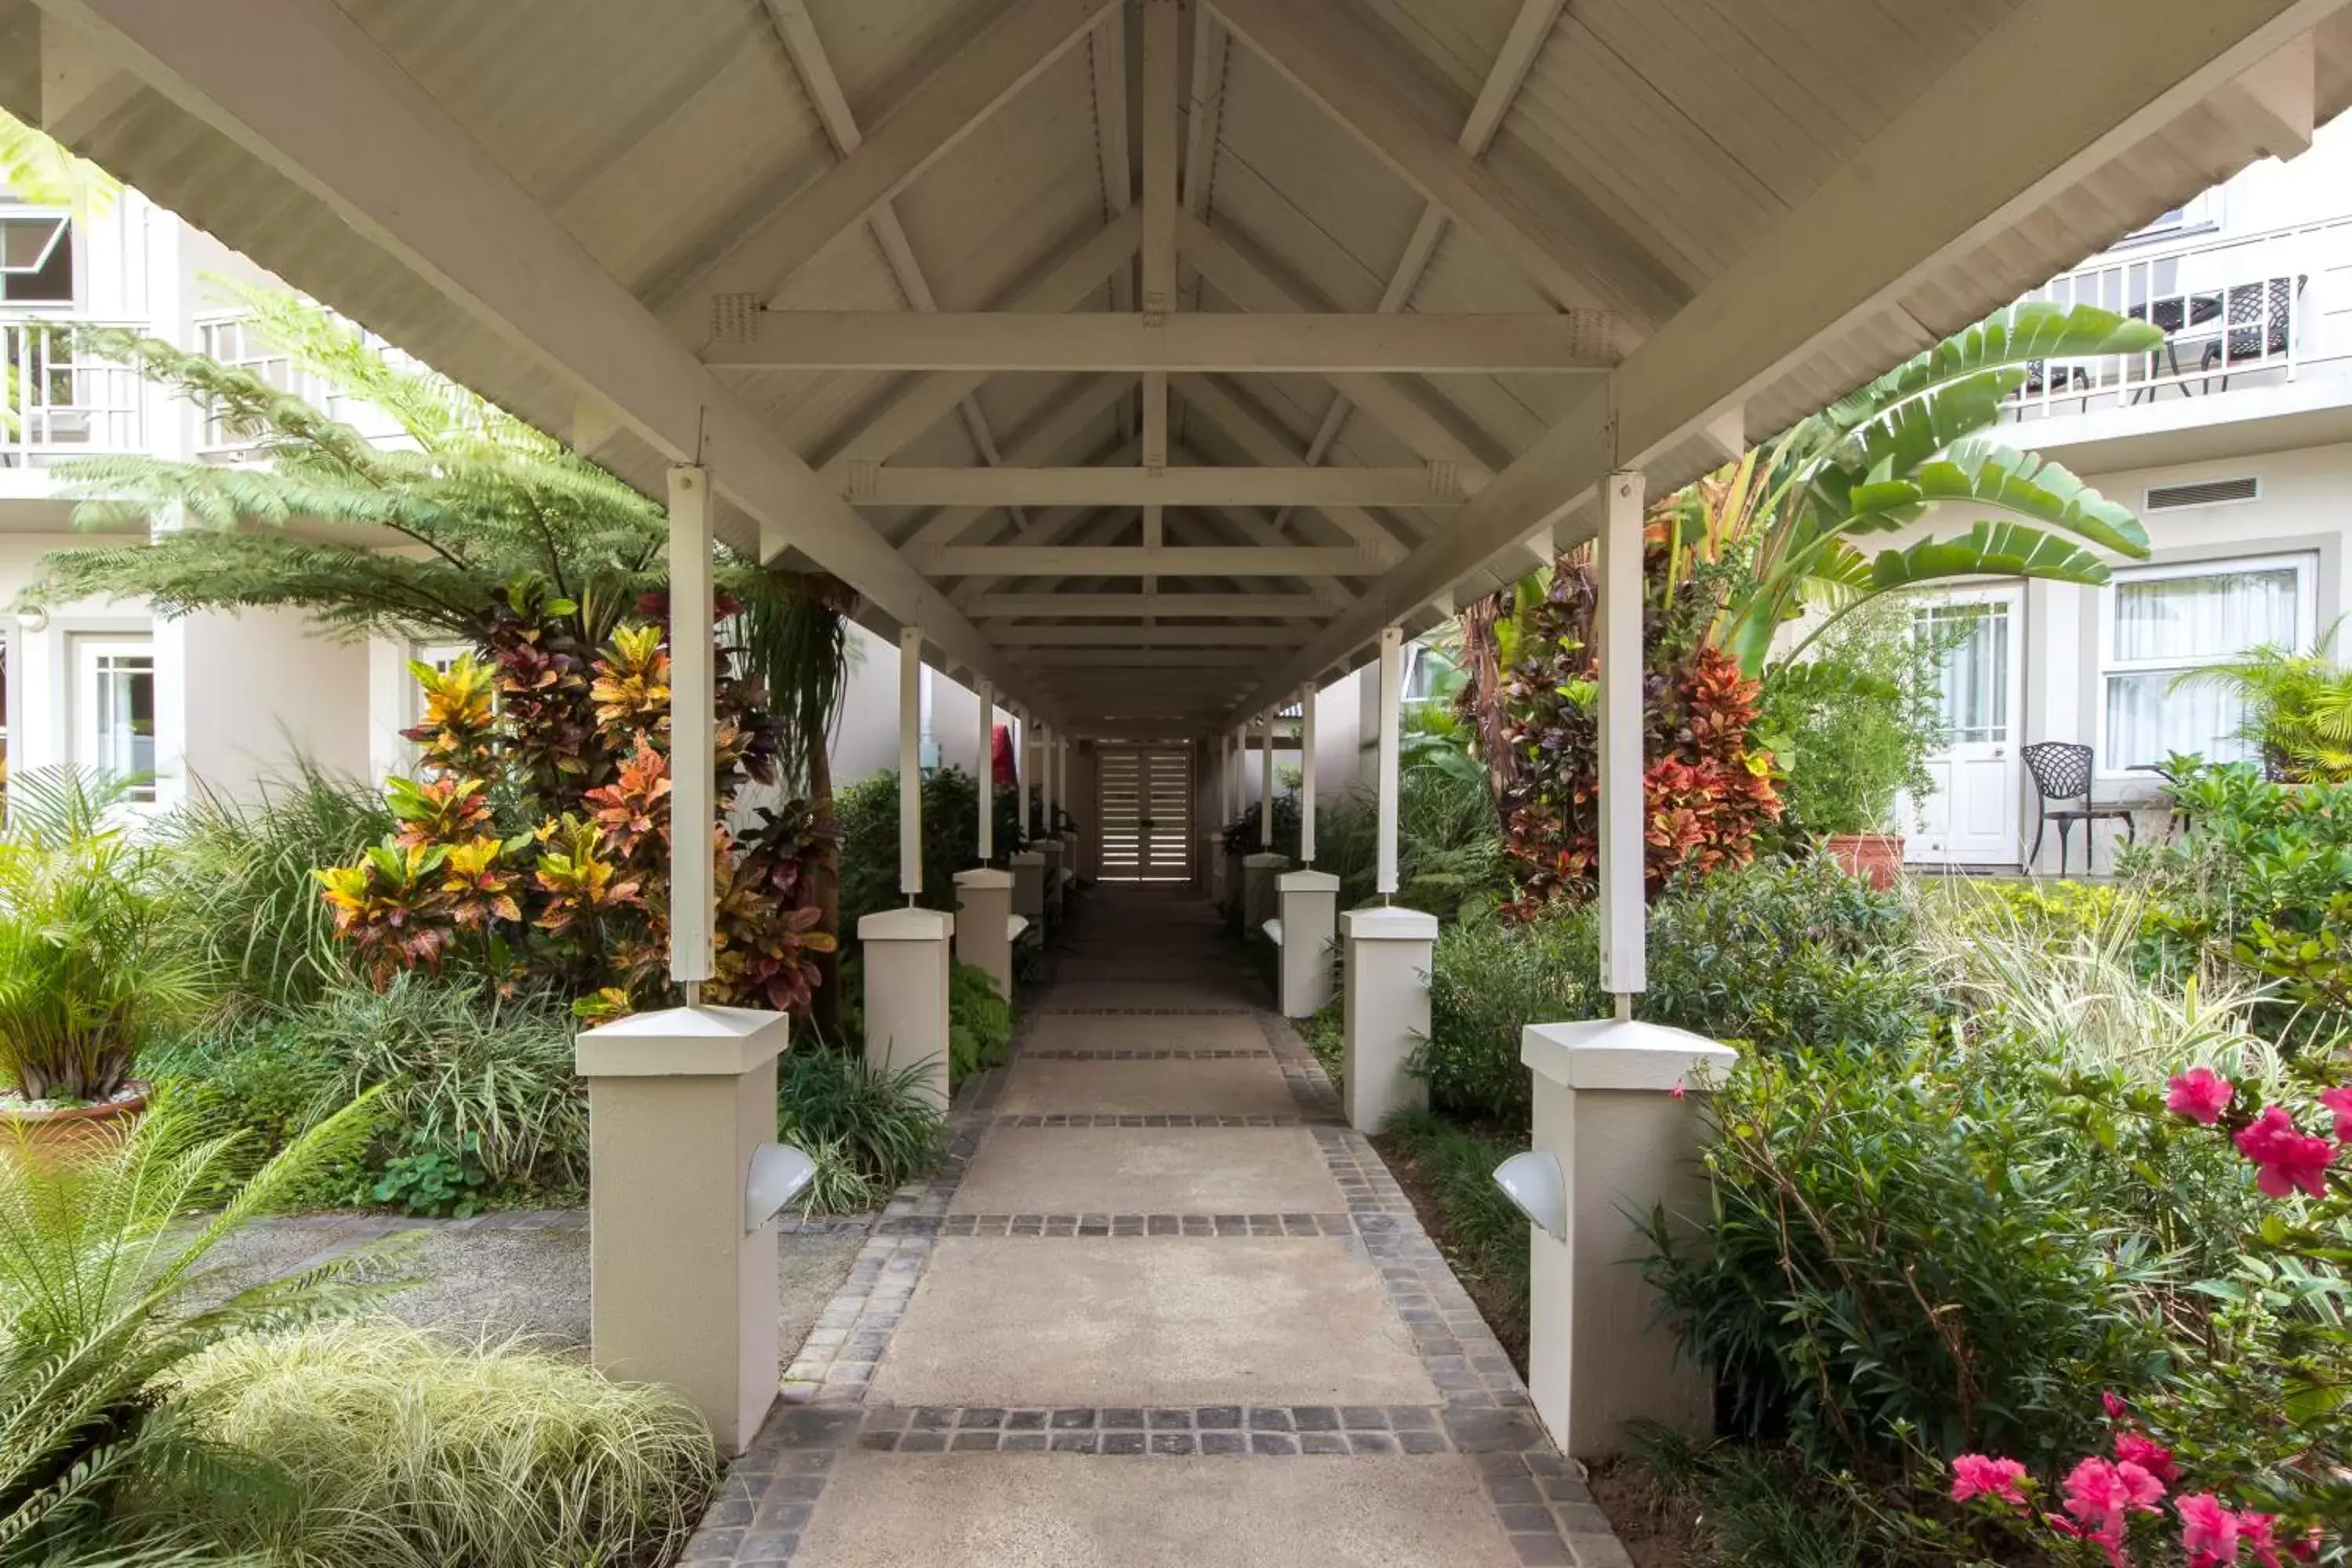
[(2205, 492)]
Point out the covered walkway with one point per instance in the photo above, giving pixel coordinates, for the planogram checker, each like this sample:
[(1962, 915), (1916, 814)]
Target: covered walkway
[(1164, 1307)]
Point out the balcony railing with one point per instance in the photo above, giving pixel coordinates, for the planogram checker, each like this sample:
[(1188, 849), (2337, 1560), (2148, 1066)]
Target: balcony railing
[(56, 403), (2239, 312)]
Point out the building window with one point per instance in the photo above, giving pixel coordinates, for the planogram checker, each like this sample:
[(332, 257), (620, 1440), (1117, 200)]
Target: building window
[(115, 711), (2164, 621), (1971, 638), (36, 264)]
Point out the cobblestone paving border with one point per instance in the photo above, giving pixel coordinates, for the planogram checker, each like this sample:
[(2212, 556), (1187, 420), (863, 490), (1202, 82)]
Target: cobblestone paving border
[(1144, 1012), (1152, 1119), (1126, 1225), (1539, 1498), (1172, 1054)]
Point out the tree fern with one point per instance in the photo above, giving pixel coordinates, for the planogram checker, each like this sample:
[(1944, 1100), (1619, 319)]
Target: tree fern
[(418, 535)]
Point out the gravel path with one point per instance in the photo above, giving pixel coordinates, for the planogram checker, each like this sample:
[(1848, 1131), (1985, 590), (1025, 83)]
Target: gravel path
[(505, 1274)]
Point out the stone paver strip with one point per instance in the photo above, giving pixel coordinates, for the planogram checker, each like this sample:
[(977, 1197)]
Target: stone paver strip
[(1143, 1171), (854, 1471)]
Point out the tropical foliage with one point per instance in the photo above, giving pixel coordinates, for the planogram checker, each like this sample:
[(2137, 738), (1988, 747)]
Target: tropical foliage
[(534, 845), (105, 1299), (2298, 707), (1707, 786), (91, 972), (1907, 449), (1851, 726)]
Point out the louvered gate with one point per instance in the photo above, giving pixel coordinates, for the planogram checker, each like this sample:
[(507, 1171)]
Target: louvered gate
[(1147, 814)]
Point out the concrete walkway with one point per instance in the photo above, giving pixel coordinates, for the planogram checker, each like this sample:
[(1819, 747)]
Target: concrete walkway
[(1162, 1309)]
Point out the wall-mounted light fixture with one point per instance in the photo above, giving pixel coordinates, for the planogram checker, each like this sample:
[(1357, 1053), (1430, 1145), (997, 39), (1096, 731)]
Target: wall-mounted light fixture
[(779, 1173), (1535, 1187), (35, 619)]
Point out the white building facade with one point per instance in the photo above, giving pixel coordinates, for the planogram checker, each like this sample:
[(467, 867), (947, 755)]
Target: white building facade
[(2234, 443)]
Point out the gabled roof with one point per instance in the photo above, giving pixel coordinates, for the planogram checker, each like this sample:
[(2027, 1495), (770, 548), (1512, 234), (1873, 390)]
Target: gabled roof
[(1742, 210)]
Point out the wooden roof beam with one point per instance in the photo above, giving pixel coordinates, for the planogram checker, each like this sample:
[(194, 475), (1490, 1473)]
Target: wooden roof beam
[(1296, 485), (1576, 343), (924, 402), (1137, 561), (968, 87), (1150, 606), (1318, 47), (1866, 233), (798, 33)]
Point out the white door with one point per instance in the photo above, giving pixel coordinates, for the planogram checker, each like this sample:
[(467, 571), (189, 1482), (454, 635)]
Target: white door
[(1970, 819), (114, 697), (1146, 804)]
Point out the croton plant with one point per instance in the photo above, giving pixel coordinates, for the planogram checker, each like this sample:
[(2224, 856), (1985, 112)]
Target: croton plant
[(534, 841)]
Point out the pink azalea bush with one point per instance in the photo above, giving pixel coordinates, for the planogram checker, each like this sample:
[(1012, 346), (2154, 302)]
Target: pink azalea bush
[(2221, 1504)]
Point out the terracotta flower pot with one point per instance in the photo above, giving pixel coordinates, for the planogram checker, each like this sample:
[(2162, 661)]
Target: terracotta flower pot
[(1875, 858), (71, 1133)]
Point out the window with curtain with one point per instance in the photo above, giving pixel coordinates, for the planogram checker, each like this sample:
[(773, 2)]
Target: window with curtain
[(2164, 622)]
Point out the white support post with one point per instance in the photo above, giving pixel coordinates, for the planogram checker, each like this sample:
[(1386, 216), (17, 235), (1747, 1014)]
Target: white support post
[(1046, 773), (1618, 633), (910, 773), (692, 725), (987, 769), (1021, 769), (1307, 774), (1266, 782), (986, 925), (1391, 649)]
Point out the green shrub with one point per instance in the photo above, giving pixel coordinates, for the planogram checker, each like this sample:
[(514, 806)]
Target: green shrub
[(1787, 952), (1776, 954), (1915, 1246), (105, 1299), (876, 1126), (409, 1451), (868, 814), (980, 1024), (478, 1095), (90, 974), (2258, 881), (238, 880), (1851, 725), (1491, 978)]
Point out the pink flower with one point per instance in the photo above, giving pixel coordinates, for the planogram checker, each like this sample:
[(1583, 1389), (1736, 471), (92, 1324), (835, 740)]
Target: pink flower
[(2116, 1408), (2256, 1530), (2284, 1157), (2149, 1454), (2209, 1532), (2099, 1495), (2200, 1094), (1973, 1475), (2339, 1100)]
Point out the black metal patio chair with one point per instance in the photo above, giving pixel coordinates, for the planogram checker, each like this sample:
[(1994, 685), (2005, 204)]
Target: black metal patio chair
[(2062, 771)]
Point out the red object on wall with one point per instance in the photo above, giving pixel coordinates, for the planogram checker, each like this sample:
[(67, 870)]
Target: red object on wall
[(1001, 755)]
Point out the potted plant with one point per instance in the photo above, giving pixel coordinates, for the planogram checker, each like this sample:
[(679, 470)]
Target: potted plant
[(1851, 725), (89, 972)]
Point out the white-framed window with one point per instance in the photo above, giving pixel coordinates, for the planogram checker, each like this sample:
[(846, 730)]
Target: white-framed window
[(114, 710), (1975, 666), (37, 256), (2161, 622), (1424, 673), (239, 341)]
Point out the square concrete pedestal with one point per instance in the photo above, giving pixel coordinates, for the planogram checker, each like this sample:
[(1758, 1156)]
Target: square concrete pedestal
[(1606, 1110), (1384, 1011), (678, 1292), (984, 935), (1053, 851), (1260, 900), (1309, 902), (1028, 870), (907, 968)]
